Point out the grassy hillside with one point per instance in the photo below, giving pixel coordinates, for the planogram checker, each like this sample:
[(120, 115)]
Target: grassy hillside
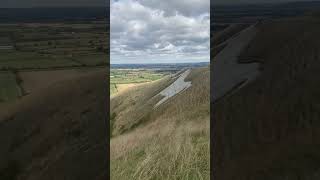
[(9, 89), (219, 38), (57, 133), (270, 128), (169, 142)]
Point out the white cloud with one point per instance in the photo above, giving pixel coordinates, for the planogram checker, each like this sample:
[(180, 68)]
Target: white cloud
[(174, 31)]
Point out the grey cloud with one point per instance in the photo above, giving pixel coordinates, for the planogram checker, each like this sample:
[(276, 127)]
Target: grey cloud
[(140, 30)]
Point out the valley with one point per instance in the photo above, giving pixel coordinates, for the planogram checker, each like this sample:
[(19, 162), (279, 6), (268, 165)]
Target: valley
[(53, 93), (121, 79), (39, 50)]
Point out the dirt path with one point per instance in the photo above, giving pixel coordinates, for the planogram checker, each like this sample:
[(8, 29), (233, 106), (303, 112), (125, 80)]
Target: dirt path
[(228, 75)]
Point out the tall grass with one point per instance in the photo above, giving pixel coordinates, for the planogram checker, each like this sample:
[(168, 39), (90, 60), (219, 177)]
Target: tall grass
[(183, 153), (264, 123), (173, 144)]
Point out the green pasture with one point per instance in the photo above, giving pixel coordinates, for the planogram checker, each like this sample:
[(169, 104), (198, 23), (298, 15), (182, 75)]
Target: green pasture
[(133, 76), (21, 60), (92, 59), (119, 76)]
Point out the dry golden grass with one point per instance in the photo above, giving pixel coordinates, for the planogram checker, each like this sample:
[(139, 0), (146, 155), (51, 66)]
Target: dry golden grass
[(227, 33), (173, 143), (123, 88), (137, 102)]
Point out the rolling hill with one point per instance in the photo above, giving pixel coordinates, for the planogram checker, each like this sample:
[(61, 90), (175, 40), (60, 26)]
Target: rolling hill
[(58, 132), (269, 128), (168, 140)]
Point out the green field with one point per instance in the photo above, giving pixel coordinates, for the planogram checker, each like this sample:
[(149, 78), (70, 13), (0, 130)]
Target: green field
[(39, 46), (118, 76), (91, 60), (129, 76), (29, 60), (9, 89)]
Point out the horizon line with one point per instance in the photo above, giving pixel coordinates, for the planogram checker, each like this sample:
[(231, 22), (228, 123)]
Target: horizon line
[(160, 63)]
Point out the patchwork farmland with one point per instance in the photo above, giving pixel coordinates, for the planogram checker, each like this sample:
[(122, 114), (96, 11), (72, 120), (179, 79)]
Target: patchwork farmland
[(122, 79), (34, 55)]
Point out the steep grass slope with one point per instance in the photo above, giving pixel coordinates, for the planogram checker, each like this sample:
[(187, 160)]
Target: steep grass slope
[(269, 129), (168, 142), (218, 40), (57, 133)]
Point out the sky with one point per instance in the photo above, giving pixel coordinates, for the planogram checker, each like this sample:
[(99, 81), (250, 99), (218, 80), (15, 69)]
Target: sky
[(159, 31)]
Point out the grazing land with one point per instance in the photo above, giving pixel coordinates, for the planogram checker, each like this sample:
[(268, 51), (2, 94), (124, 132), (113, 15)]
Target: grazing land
[(53, 68), (34, 55), (268, 128), (120, 78), (167, 141), (125, 76), (44, 46)]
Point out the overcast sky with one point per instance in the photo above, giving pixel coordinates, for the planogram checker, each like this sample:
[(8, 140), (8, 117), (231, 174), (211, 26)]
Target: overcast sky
[(159, 31)]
